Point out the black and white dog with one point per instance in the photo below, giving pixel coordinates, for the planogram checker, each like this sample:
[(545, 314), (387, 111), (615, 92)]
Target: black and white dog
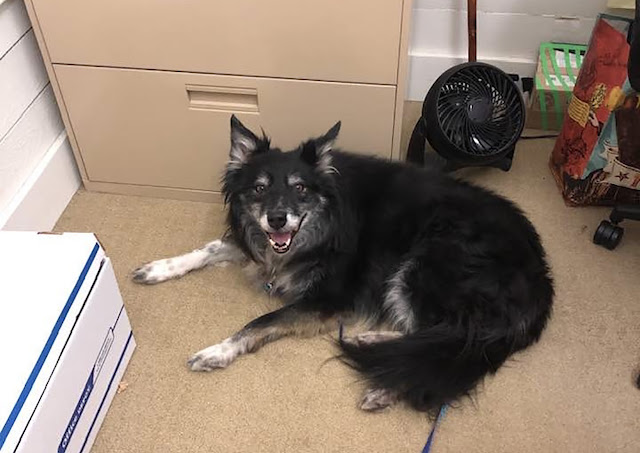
[(457, 273)]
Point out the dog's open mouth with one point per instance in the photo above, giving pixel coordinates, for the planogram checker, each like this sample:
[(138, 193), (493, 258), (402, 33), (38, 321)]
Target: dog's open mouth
[(281, 241)]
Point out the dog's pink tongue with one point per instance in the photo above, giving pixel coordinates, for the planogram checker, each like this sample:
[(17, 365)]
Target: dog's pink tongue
[(280, 238)]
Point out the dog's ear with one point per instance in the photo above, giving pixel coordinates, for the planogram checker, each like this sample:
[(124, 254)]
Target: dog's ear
[(318, 151), (243, 143)]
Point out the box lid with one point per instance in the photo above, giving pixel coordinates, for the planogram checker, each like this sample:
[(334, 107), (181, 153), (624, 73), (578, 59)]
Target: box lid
[(45, 281)]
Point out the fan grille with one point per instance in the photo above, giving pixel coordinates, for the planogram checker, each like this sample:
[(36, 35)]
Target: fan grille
[(480, 110)]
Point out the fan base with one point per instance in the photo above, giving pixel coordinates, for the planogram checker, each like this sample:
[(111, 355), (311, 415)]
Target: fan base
[(435, 160)]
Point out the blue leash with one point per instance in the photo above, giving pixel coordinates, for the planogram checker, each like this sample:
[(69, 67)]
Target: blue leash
[(443, 411)]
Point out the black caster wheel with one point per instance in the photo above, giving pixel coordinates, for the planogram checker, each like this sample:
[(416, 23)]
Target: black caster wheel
[(608, 235)]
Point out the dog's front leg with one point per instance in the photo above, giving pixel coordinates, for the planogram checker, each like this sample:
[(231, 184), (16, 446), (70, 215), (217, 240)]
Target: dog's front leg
[(220, 252), (295, 319)]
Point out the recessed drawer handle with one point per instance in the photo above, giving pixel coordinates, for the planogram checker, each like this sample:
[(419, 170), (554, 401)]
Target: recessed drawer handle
[(202, 97)]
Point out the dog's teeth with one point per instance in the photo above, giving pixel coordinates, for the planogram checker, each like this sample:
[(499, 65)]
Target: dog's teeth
[(278, 247)]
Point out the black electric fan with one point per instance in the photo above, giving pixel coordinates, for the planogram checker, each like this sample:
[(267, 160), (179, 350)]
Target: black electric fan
[(473, 115)]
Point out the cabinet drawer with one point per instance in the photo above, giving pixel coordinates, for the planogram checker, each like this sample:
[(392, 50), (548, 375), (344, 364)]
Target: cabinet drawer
[(335, 40), (169, 129)]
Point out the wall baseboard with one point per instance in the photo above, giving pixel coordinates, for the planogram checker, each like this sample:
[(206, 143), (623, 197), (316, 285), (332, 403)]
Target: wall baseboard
[(46, 193), (424, 69)]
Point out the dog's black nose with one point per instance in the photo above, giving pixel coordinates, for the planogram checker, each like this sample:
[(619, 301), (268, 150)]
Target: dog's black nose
[(277, 219)]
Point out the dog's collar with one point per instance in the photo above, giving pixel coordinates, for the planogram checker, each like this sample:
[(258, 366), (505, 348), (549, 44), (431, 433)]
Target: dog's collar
[(269, 284)]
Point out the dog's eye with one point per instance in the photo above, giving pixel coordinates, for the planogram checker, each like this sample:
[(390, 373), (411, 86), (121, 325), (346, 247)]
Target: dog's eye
[(259, 188), (300, 188)]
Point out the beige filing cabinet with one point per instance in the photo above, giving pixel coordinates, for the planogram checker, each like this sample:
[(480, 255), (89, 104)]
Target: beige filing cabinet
[(147, 87)]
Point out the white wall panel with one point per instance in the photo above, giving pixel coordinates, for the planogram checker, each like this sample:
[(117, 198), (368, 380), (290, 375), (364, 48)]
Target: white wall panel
[(22, 77), (26, 143), (14, 23)]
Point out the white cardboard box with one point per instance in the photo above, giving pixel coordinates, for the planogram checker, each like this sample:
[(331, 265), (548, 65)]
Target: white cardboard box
[(65, 341)]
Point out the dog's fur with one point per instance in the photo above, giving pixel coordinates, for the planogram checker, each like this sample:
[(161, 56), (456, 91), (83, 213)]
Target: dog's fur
[(458, 272)]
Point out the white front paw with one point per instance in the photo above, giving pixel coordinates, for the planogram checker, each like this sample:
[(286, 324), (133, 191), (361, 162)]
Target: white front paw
[(213, 357), (156, 272)]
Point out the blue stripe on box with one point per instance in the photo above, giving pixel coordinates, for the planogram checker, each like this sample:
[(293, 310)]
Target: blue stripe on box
[(106, 393), (47, 348)]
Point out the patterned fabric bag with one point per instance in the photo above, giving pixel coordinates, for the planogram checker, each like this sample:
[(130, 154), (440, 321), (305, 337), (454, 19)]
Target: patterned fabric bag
[(596, 158)]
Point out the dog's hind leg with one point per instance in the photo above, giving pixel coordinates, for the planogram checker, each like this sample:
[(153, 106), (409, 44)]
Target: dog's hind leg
[(295, 319), (367, 338), (218, 252), (375, 400)]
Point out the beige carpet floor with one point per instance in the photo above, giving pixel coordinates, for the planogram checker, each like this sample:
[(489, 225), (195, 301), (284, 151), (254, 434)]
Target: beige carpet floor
[(573, 392)]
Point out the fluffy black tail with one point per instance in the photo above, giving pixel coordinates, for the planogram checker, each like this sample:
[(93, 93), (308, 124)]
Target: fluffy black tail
[(434, 366)]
